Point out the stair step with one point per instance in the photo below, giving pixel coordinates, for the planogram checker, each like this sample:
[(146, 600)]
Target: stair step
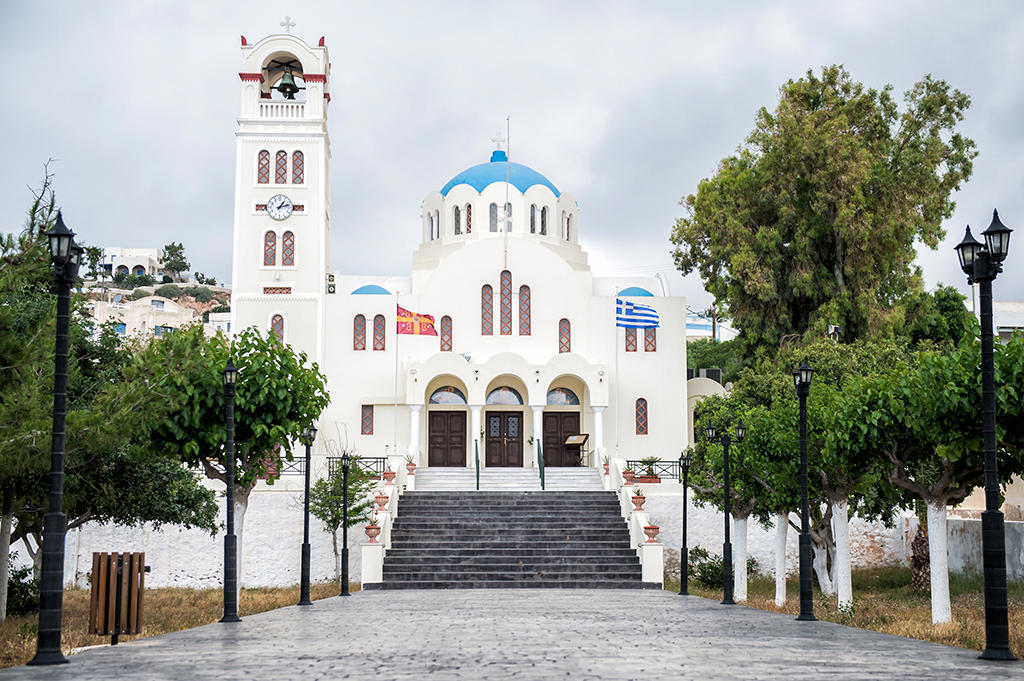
[(504, 584)]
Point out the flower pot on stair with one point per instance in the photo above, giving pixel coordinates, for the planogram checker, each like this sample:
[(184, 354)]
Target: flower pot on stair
[(389, 477), (382, 501), (372, 531), (651, 531), (638, 502), (628, 475)]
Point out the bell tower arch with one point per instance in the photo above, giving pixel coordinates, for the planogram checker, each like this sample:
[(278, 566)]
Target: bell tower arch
[(282, 207)]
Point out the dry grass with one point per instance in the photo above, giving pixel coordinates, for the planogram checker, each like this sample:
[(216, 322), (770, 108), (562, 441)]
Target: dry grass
[(165, 610), (884, 601)]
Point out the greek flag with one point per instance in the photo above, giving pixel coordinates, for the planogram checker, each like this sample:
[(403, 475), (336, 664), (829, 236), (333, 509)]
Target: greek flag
[(633, 316)]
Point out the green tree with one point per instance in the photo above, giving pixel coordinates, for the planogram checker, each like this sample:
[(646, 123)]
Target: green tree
[(814, 220), (326, 498), (173, 259), (93, 255), (727, 355)]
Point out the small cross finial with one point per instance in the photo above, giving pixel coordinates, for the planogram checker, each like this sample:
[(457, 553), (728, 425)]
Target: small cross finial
[(498, 139), (287, 24)]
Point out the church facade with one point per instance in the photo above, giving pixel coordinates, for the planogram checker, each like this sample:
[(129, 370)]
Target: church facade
[(508, 338)]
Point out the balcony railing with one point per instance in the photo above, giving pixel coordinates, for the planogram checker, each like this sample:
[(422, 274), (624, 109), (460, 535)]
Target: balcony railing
[(375, 465), (282, 110), (664, 470)]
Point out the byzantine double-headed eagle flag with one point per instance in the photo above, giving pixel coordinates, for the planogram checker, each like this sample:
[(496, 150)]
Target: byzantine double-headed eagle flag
[(414, 323)]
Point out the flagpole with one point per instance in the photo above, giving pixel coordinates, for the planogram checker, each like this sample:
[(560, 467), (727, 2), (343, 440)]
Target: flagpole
[(618, 413), (394, 411)]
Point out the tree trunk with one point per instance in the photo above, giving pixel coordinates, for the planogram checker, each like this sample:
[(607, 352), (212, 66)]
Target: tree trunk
[(821, 569), (919, 560), (337, 556), (739, 558), (781, 528), (843, 577), (7, 510), (939, 560), (241, 504), (34, 553)]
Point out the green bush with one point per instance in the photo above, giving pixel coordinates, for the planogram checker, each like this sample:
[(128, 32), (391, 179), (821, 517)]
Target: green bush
[(133, 281), (140, 293), (167, 279), (706, 569), (200, 293), (171, 291), (22, 590)]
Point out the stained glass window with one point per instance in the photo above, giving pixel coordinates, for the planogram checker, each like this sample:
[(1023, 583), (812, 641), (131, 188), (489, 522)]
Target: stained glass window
[(630, 339), (641, 416), (524, 310), (505, 396), (281, 169), (270, 248), (448, 394), (378, 332), (562, 397), (456, 218), (506, 303), (650, 340), (446, 334), (366, 420), (487, 310), (494, 217), (469, 218), (277, 326), (544, 220), (533, 218), (263, 168), (564, 336), (288, 249), (298, 168), (359, 332)]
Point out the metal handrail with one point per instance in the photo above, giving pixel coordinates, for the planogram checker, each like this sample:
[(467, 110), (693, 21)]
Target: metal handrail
[(375, 465), (665, 470), (540, 464), (476, 445)]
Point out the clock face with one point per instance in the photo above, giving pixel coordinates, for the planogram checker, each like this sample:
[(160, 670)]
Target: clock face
[(279, 206)]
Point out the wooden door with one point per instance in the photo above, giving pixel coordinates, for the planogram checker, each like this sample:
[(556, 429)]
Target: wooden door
[(446, 438), (504, 441), (557, 427)]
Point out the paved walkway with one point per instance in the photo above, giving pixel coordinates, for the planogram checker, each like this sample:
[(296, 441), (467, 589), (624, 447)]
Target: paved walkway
[(530, 634)]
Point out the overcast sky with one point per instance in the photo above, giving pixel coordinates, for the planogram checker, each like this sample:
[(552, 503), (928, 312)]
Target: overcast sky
[(626, 105)]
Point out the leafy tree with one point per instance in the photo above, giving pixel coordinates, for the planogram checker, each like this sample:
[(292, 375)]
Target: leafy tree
[(211, 281), (119, 278), (171, 291), (727, 355), (93, 255), (815, 219), (173, 259), (937, 317), (326, 498)]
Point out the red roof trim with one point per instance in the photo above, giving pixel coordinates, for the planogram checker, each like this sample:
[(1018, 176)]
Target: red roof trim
[(314, 77), (253, 77)]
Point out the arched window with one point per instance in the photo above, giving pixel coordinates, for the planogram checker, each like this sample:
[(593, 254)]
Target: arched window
[(277, 326), (650, 339), (544, 220), (564, 336), (504, 396), (288, 249), (563, 225), (281, 169), (298, 168), (456, 220), (524, 310), (430, 226), (437, 224), (447, 394), (568, 228), (446, 334), (562, 397), (506, 303), (641, 417), (359, 332), (506, 219), (494, 217), (270, 248), (139, 270), (378, 332), (263, 168), (469, 218), (533, 218), (487, 310), (630, 339)]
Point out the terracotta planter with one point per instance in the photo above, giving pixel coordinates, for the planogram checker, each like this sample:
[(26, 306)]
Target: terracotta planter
[(628, 476), (651, 531), (382, 501), (389, 477), (605, 469), (372, 531), (411, 467), (648, 479), (638, 503)]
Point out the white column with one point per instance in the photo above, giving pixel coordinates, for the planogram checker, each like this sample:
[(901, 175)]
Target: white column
[(474, 431), (538, 432), (598, 435), (414, 432)]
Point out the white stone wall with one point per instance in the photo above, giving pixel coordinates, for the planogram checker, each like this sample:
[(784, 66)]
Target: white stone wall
[(964, 547)]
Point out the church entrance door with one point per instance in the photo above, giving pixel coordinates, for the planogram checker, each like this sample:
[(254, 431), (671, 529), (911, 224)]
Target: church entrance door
[(504, 439), (557, 427), (446, 438)]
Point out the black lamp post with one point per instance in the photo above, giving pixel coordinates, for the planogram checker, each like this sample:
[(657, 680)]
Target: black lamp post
[(346, 461), (725, 439), (802, 381), (307, 439), (65, 256), (230, 541), (981, 263), (684, 553)]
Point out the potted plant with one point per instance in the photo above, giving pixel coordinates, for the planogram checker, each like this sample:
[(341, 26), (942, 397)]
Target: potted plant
[(648, 474), (604, 462), (381, 499), (651, 531), (638, 499), (410, 465), (372, 529), (389, 476), (628, 475)]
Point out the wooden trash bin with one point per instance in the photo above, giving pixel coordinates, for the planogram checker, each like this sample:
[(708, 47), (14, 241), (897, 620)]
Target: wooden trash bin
[(115, 604)]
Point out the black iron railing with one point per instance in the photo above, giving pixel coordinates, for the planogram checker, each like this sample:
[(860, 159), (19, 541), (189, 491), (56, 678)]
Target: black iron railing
[(371, 464), (664, 470), (296, 466)]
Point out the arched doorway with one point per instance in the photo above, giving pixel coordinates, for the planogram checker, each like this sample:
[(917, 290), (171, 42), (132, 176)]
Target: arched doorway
[(562, 418), (446, 426), (503, 427)]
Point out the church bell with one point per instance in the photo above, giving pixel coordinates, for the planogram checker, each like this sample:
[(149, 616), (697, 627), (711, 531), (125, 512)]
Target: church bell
[(287, 87)]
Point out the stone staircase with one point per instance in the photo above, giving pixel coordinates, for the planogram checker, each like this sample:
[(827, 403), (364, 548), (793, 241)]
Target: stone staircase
[(510, 539), (507, 479)]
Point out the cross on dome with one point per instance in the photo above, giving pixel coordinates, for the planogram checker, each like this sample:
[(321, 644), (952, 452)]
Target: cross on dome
[(498, 139), (287, 24)]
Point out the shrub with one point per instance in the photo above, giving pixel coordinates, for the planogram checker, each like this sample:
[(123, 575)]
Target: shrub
[(140, 293), (136, 280), (22, 590), (706, 569), (167, 279), (171, 291), (200, 293)]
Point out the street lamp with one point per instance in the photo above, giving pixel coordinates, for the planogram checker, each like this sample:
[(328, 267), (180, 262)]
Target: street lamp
[(346, 461), (65, 257), (685, 459), (981, 263), (802, 380), (230, 374), (308, 436), (725, 439)]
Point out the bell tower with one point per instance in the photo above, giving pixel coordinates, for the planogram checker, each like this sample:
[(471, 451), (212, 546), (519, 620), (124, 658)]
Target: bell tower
[(282, 208)]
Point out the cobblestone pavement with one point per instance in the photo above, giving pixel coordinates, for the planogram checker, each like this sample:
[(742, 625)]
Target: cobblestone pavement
[(532, 634)]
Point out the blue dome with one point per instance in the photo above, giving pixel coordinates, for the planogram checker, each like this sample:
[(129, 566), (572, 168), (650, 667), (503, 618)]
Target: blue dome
[(519, 176), (371, 290), (635, 291)]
